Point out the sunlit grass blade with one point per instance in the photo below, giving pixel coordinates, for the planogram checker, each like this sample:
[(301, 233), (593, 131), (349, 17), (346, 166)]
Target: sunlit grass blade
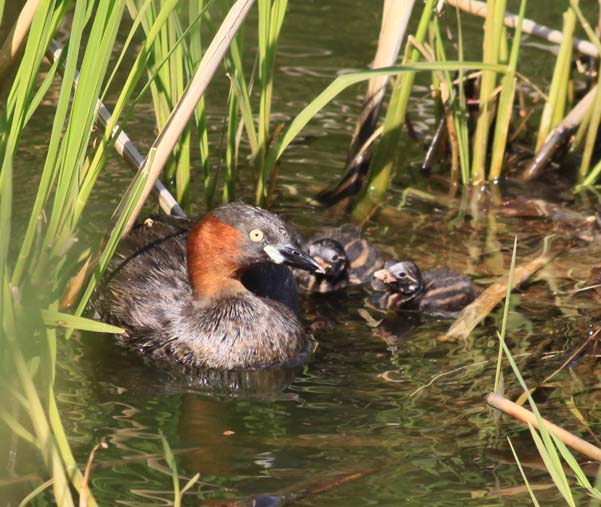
[(459, 110), (42, 430), (594, 117), (231, 147), (506, 99), (170, 459), (17, 110), (525, 479), (553, 465), (83, 110), (18, 429), (35, 492), (554, 108), (197, 9), (493, 34), (123, 104), (60, 319), (242, 93), (499, 372), (271, 18)]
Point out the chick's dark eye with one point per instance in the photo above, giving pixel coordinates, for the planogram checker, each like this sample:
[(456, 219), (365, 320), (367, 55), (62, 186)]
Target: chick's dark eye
[(335, 258), (402, 274)]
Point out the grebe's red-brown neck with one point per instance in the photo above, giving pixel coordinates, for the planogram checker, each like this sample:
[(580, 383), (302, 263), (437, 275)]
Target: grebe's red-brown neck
[(214, 258)]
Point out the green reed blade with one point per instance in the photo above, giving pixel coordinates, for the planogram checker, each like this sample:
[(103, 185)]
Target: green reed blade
[(41, 427), (242, 93), (499, 372), (18, 100), (594, 117), (555, 106), (525, 479), (170, 459), (342, 82), (137, 21), (493, 32), (231, 147), (60, 319), (271, 18), (79, 126), (459, 110), (197, 10), (457, 100), (49, 172), (18, 429), (35, 492), (123, 101), (506, 100), (553, 465)]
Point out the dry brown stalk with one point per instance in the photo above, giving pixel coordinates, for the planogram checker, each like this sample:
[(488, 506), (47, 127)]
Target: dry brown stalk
[(523, 414), (477, 311), (559, 136), (83, 492), (15, 41), (530, 27)]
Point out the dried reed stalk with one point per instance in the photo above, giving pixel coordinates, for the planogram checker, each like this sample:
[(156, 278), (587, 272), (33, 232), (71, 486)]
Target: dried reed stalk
[(530, 27), (523, 414), (15, 41)]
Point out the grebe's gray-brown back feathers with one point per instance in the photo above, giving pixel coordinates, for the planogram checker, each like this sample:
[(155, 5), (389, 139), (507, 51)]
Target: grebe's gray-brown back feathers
[(177, 290)]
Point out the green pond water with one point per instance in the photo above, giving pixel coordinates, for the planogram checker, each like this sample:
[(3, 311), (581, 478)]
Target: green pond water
[(370, 401)]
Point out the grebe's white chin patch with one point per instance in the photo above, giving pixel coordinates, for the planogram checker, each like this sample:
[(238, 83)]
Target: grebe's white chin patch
[(274, 254)]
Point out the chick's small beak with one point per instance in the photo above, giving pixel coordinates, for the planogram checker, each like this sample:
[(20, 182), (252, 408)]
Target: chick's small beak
[(385, 276), (294, 257), (325, 265)]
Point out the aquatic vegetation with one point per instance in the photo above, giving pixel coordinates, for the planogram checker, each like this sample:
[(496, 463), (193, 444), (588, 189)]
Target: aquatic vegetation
[(136, 54)]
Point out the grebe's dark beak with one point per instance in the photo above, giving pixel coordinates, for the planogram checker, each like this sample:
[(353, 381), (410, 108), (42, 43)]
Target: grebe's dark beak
[(294, 257)]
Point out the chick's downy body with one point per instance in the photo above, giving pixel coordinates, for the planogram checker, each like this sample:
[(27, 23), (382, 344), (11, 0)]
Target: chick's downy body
[(346, 257), (439, 292)]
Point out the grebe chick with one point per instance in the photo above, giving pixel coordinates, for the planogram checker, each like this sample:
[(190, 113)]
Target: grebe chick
[(346, 257), (439, 293)]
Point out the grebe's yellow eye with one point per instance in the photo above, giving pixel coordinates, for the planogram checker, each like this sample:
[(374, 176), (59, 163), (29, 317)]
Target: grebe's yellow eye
[(256, 235)]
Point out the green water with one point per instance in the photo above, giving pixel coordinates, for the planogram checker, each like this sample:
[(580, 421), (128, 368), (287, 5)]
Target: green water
[(371, 401)]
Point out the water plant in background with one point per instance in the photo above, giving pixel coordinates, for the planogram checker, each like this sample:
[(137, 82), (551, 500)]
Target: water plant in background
[(556, 457), (38, 264), (386, 155), (479, 159), (34, 280), (173, 56)]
